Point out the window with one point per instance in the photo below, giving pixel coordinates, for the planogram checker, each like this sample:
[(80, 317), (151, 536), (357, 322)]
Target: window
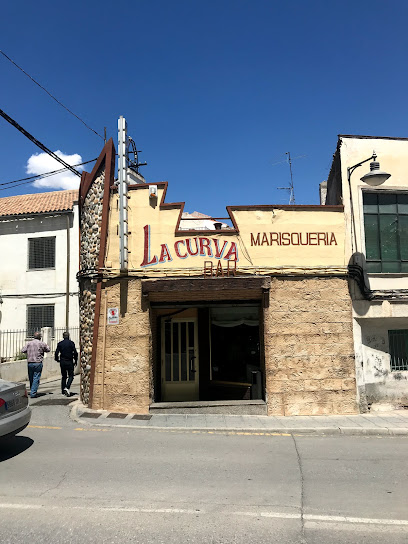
[(386, 231), (398, 341), (38, 316), (41, 253)]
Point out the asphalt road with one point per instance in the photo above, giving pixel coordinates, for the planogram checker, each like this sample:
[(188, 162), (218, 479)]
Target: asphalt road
[(63, 482)]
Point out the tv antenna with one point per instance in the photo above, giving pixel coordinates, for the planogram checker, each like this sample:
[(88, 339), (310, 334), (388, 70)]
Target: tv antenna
[(291, 188)]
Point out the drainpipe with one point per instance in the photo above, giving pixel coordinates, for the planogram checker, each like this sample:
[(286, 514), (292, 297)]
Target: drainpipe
[(68, 270)]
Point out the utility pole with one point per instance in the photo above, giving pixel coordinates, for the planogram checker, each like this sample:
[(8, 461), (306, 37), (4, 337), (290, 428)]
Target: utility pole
[(123, 194)]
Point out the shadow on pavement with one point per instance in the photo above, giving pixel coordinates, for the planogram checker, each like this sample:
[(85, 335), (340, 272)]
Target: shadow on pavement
[(14, 446)]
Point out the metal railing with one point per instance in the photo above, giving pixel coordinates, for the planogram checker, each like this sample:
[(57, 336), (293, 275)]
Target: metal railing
[(11, 342), (398, 340)]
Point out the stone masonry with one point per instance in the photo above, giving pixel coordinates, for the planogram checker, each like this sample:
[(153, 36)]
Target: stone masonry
[(90, 228), (123, 372), (309, 354)]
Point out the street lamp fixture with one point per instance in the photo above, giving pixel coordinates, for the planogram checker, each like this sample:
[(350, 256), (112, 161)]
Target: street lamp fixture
[(375, 176)]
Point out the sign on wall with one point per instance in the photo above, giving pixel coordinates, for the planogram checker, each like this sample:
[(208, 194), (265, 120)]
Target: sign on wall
[(113, 316)]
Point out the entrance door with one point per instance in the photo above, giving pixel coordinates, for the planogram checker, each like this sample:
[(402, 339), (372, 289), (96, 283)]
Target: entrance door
[(179, 360)]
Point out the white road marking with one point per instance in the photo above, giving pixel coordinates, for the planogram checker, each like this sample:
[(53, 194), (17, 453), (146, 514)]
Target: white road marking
[(21, 506), (347, 519), (278, 515)]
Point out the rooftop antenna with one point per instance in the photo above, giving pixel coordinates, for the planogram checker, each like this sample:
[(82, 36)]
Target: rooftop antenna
[(291, 189), (134, 163)]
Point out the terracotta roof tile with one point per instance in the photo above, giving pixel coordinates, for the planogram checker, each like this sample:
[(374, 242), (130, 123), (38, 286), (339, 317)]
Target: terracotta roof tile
[(56, 201)]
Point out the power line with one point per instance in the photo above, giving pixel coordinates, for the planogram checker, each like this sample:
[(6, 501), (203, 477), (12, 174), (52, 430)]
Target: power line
[(38, 143), (45, 175), (16, 185), (49, 94)]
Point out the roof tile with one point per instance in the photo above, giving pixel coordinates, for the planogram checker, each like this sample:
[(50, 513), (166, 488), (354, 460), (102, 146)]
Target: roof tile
[(56, 201)]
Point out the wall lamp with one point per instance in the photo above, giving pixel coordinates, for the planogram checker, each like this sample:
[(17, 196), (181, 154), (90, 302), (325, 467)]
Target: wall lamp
[(373, 178)]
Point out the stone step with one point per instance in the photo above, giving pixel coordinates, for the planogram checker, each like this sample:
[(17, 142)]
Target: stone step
[(226, 407)]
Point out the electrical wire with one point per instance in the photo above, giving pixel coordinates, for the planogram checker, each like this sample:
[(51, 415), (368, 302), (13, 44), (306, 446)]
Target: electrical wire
[(49, 94), (38, 143), (45, 175)]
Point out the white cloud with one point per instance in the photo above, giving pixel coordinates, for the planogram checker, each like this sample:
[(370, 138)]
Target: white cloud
[(40, 163)]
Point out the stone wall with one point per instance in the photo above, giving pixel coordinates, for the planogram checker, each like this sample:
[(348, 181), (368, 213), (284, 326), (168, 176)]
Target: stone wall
[(123, 371), (90, 229), (309, 353)]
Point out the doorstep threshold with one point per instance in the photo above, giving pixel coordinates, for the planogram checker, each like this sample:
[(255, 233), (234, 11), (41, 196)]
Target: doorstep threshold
[(205, 403)]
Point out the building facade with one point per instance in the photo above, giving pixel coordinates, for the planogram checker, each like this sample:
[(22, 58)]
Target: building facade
[(39, 244), (254, 318), (376, 218)]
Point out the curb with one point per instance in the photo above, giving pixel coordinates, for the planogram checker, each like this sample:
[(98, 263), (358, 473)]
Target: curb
[(325, 431)]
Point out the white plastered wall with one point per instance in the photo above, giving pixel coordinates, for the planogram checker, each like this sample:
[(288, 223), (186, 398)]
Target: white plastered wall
[(373, 319), (20, 286)]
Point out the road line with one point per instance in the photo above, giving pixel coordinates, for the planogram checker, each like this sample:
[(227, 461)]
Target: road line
[(21, 506), (277, 515), (153, 510), (92, 430), (347, 519), (280, 515), (44, 427)]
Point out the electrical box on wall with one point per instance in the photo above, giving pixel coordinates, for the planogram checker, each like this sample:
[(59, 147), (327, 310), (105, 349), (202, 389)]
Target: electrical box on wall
[(152, 191)]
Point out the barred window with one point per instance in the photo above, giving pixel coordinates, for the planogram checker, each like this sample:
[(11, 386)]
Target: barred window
[(41, 252), (398, 340), (38, 316)]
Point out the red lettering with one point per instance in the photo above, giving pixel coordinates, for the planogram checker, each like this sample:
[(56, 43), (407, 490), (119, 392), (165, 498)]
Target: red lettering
[(205, 244), (220, 271), (176, 249), (313, 238), (264, 239), (321, 237), (231, 271), (232, 252), (165, 254), (218, 253), (292, 238), (285, 238), (333, 239), (208, 269), (302, 241), (189, 250), (146, 252), (274, 238), (255, 241)]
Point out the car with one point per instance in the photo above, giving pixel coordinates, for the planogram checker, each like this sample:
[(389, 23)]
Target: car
[(15, 413)]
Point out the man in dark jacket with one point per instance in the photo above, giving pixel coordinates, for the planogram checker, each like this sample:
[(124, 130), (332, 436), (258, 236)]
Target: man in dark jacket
[(67, 356)]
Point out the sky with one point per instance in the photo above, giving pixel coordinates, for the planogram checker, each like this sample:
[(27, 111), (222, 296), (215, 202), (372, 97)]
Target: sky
[(215, 92)]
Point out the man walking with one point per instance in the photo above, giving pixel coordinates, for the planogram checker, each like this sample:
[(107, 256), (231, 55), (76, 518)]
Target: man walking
[(67, 356), (35, 350)]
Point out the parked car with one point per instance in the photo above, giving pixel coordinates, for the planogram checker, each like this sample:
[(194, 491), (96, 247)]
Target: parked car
[(15, 414)]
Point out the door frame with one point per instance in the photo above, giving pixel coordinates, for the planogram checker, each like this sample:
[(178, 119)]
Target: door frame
[(181, 390)]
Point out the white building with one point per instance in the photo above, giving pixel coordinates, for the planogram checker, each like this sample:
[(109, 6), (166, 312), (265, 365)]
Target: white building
[(39, 248), (376, 215), (200, 221)]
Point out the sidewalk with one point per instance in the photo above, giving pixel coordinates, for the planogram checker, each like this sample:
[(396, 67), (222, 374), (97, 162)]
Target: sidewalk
[(393, 423)]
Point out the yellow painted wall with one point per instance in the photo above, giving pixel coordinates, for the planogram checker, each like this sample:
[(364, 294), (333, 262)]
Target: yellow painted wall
[(261, 244)]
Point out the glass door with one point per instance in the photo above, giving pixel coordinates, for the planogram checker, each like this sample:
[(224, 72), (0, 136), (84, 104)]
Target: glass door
[(179, 360)]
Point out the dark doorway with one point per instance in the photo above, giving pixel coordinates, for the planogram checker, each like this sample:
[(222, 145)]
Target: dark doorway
[(235, 353), (223, 355)]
